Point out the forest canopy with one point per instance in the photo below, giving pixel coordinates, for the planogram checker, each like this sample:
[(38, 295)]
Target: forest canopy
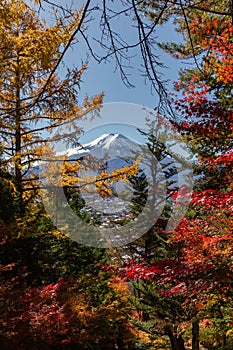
[(165, 290)]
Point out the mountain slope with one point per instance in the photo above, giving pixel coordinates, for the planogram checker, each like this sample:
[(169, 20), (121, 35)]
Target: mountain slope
[(111, 145)]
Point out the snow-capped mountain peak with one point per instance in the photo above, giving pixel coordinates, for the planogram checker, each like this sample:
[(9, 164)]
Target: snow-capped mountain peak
[(105, 140), (110, 140), (112, 144), (97, 141)]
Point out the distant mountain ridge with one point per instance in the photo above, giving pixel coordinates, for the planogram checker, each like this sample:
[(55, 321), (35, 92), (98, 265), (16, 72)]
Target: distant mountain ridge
[(119, 151), (114, 145)]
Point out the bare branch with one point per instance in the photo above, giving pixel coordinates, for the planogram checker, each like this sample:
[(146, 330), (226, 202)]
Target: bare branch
[(62, 54)]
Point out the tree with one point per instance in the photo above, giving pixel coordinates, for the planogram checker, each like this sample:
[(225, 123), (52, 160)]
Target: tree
[(140, 187), (7, 207), (161, 314), (36, 104), (66, 312), (194, 277), (207, 108), (34, 101)]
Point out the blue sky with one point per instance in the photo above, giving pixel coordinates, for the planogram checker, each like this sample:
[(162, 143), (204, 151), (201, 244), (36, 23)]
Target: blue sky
[(104, 78), (117, 117)]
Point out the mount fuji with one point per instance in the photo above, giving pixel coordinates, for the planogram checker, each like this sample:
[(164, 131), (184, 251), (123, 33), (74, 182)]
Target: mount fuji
[(113, 145), (117, 151), (115, 148)]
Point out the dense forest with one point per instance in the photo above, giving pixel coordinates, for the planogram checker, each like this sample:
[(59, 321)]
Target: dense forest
[(169, 289)]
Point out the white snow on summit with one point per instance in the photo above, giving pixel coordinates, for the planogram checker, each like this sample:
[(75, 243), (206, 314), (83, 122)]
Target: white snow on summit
[(110, 140), (96, 141), (80, 150), (114, 143)]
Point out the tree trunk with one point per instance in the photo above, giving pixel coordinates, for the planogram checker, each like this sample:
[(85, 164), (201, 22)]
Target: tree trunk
[(120, 337), (195, 335), (18, 145), (177, 342)]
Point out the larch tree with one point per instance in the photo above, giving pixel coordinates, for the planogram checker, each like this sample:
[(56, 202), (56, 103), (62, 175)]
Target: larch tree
[(34, 100)]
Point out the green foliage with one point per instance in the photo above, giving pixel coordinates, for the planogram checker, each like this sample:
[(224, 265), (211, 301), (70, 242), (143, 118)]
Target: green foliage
[(48, 257), (140, 192), (7, 203), (78, 205)]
